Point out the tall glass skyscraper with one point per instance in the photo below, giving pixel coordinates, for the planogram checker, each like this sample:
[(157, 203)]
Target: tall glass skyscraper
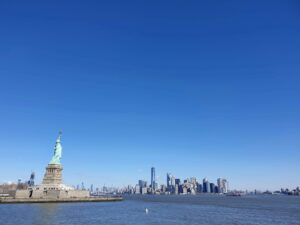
[(168, 180), (153, 178), (206, 186)]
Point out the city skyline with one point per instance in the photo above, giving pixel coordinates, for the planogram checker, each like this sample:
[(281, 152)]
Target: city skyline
[(196, 89), (175, 185)]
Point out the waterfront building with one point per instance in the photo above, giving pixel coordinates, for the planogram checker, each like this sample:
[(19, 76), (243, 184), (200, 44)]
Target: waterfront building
[(130, 189), (176, 189), (153, 180), (226, 186), (199, 188), (206, 186), (137, 189), (171, 181), (212, 187), (193, 180), (168, 180), (144, 190), (192, 191), (177, 181), (216, 189), (142, 183), (155, 186), (222, 185)]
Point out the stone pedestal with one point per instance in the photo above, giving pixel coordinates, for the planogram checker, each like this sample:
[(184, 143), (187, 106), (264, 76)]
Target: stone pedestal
[(53, 175)]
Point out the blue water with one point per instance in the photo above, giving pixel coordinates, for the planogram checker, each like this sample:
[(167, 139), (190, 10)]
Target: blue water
[(162, 210)]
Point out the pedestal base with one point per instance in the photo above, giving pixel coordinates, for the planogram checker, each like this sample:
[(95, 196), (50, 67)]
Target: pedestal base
[(53, 174)]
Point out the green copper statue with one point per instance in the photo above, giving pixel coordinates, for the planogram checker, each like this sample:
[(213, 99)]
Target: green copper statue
[(57, 151)]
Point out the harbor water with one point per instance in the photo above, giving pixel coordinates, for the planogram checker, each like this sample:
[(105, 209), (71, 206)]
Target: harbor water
[(145, 210)]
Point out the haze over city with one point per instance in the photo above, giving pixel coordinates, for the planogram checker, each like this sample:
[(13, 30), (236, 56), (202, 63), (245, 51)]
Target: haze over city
[(195, 89)]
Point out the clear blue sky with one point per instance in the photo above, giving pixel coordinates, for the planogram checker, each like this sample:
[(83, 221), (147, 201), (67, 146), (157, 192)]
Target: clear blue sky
[(196, 88)]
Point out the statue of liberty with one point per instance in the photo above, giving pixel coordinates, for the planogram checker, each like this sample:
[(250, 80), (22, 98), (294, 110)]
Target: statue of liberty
[(57, 151)]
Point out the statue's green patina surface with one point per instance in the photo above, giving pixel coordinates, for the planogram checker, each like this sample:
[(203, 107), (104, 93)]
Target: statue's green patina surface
[(57, 151)]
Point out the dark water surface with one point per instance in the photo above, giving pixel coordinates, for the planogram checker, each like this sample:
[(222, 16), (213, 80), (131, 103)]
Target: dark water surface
[(162, 210)]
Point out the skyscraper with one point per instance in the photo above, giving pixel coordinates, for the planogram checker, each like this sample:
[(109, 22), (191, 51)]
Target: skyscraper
[(153, 186), (168, 180), (173, 181), (142, 183), (212, 187), (199, 188), (222, 185), (206, 186)]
